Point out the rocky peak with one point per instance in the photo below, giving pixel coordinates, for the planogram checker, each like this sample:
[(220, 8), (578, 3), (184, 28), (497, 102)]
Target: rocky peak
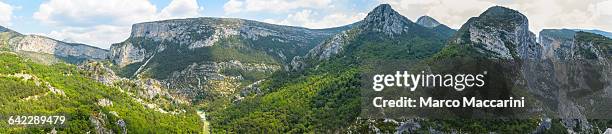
[(504, 18), (384, 19), (428, 22), (502, 32)]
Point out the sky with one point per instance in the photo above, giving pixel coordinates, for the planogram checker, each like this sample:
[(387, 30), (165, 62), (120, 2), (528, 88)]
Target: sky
[(104, 22)]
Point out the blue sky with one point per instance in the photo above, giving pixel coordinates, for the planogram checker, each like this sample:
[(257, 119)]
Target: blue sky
[(103, 22)]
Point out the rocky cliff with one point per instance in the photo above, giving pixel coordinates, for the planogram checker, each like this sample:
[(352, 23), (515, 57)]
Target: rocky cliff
[(41, 44), (206, 58), (70, 52), (557, 44), (386, 20), (502, 33), (150, 37), (565, 44), (574, 71), (563, 73)]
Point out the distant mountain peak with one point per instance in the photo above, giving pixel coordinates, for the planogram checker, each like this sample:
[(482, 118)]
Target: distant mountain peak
[(427, 21), (503, 15), (382, 10), (498, 10), (384, 19)]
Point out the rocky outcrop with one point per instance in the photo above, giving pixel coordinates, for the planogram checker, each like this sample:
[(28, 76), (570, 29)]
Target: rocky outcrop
[(185, 33), (427, 21), (502, 33), (99, 120), (214, 79), (592, 47), (124, 54), (99, 72), (386, 20), (40, 44), (557, 44), (44, 45), (104, 102), (332, 46), (565, 44)]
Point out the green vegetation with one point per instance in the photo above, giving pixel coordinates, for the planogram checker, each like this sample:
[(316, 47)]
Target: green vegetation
[(565, 34), (306, 103), (601, 43), (31, 96), (176, 57), (324, 98)]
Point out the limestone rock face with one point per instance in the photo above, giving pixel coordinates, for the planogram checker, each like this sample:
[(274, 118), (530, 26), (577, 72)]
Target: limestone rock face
[(194, 33), (384, 19), (557, 44), (565, 44), (181, 31), (125, 54), (332, 47), (501, 32), (44, 45), (40, 44), (204, 58)]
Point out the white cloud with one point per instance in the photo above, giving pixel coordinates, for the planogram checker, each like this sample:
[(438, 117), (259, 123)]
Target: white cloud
[(101, 23), (604, 7), (307, 18), (181, 9), (6, 14), (101, 35), (91, 12), (234, 6)]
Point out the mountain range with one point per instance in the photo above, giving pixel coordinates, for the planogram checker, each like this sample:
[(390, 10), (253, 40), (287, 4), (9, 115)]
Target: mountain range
[(225, 75)]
